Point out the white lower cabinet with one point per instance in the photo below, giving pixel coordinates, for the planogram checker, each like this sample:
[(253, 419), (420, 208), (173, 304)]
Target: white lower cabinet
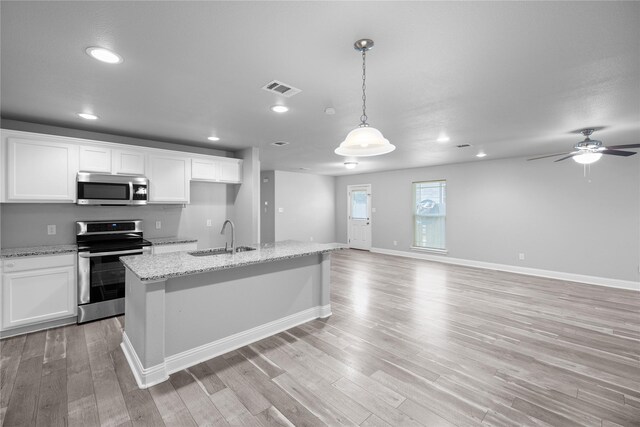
[(177, 247), (38, 289), (168, 179)]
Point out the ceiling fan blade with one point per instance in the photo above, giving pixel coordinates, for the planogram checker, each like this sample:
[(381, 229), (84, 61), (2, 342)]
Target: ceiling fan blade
[(549, 155), (618, 152), (569, 156), (615, 147)]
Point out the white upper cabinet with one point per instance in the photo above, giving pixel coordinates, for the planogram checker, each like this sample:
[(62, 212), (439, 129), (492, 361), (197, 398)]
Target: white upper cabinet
[(37, 168), (128, 162), (217, 170), (41, 170), (95, 158), (168, 178)]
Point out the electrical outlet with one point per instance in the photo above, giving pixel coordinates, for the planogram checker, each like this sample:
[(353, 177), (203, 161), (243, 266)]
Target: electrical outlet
[(158, 225), (373, 210), (395, 243), (280, 210), (521, 256), (311, 239), (208, 223), (51, 229)]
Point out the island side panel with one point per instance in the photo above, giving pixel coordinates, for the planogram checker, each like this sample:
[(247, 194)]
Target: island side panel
[(144, 323), (210, 307), (325, 289)]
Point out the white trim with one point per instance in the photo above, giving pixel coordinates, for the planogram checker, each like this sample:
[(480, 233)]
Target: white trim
[(592, 280), (144, 377), (147, 377), (432, 250)]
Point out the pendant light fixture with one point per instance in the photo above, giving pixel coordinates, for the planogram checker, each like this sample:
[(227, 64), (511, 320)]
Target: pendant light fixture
[(364, 140)]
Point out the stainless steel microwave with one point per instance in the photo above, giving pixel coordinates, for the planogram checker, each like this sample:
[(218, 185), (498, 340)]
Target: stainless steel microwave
[(103, 189)]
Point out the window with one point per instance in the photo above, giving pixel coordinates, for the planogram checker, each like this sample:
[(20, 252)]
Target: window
[(429, 214)]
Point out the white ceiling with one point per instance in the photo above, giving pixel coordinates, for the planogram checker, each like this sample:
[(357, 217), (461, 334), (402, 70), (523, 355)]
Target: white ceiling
[(510, 78)]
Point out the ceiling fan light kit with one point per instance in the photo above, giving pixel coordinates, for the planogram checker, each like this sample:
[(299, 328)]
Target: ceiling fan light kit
[(364, 140), (591, 150)]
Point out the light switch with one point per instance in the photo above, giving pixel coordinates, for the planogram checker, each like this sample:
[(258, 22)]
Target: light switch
[(280, 210), (158, 225)]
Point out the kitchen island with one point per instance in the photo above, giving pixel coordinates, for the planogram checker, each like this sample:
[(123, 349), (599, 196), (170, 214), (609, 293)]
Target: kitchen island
[(182, 309)]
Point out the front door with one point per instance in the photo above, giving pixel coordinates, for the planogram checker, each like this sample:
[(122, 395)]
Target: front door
[(359, 219)]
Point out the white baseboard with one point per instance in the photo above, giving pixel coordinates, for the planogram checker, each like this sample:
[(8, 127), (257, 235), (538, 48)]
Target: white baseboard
[(147, 377), (571, 277), (144, 377)]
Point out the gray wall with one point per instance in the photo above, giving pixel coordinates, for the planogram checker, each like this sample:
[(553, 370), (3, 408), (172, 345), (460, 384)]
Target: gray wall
[(25, 224), (267, 207), (308, 207), (561, 220), (245, 199)]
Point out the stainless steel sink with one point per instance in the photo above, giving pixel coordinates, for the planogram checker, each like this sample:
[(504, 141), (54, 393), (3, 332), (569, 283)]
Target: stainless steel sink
[(220, 251)]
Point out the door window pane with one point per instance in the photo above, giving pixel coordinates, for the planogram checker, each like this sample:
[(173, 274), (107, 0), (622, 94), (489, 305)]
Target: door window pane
[(359, 204), (429, 213)]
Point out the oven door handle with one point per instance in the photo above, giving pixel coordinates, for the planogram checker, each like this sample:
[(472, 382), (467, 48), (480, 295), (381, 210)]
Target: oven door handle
[(95, 254)]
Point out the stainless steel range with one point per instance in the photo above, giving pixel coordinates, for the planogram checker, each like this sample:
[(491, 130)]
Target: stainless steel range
[(100, 272)]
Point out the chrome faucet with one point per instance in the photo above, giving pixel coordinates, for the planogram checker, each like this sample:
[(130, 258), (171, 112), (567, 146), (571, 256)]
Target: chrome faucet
[(233, 246)]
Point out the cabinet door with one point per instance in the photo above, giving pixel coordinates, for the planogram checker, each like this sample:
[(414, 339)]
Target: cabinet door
[(127, 162), (204, 169), (38, 295), (95, 159), (41, 170), (231, 171), (168, 179)]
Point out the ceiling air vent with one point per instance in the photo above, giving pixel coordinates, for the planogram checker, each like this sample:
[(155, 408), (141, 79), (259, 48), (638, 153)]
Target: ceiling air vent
[(463, 145), (280, 88)]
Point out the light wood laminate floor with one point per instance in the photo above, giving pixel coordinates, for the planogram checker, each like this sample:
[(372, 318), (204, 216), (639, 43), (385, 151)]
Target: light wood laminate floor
[(409, 343)]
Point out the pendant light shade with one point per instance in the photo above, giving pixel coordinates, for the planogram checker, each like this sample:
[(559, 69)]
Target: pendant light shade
[(364, 140)]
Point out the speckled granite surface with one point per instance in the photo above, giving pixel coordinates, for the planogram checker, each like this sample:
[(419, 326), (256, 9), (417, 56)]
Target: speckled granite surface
[(175, 264), (159, 241), (37, 250)]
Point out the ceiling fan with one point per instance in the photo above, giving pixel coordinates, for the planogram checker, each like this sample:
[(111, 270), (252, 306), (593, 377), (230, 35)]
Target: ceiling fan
[(590, 150)]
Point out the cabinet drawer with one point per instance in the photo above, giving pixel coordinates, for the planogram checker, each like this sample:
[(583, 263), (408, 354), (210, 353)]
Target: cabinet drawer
[(37, 262)]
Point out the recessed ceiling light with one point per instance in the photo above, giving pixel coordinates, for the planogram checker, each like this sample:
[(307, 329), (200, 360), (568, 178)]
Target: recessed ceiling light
[(88, 116), (213, 138), (350, 165), (481, 154), (443, 138), (330, 111), (279, 109), (104, 55), (304, 169), (280, 143)]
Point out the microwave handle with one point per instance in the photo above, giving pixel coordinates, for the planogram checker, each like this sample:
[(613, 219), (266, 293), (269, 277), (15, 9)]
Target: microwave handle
[(130, 191)]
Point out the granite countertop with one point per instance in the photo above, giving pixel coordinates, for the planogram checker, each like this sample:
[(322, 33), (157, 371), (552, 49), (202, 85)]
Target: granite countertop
[(37, 250), (158, 241), (175, 264)]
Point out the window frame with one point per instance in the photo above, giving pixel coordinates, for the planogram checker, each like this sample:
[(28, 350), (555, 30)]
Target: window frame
[(414, 216)]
